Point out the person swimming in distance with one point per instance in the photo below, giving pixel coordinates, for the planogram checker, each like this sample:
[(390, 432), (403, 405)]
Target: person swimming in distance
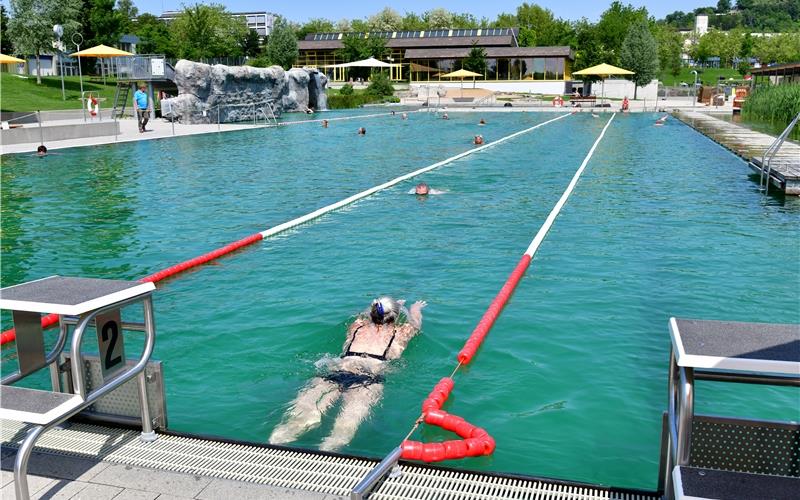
[(41, 151), (445, 117), (404, 116), (324, 123), (362, 131), (482, 122), (423, 189), (661, 121), (376, 337), (595, 115), (477, 140)]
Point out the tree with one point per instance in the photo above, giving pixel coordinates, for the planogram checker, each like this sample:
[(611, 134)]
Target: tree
[(590, 50), (282, 45), (127, 12), (31, 25), (475, 60), (5, 40), (538, 26), (316, 25), (723, 6), (386, 20), (105, 23), (670, 46), (781, 48), (438, 18), (205, 31), (356, 48), (154, 36), (639, 53), (250, 44), (412, 22), (614, 25)]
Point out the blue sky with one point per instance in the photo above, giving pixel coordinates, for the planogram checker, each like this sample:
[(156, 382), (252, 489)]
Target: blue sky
[(303, 10)]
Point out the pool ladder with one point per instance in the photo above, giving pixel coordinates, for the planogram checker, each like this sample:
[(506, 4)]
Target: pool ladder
[(769, 155)]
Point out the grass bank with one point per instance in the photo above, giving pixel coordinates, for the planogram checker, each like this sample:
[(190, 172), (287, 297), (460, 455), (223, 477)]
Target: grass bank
[(706, 76), (23, 94)]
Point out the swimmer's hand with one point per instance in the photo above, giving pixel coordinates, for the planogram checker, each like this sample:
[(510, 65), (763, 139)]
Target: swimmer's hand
[(418, 305)]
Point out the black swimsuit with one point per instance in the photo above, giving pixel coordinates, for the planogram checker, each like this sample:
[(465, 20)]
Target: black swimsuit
[(381, 357), (350, 380)]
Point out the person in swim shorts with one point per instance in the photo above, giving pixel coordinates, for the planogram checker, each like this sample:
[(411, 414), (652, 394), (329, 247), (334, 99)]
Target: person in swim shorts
[(376, 337)]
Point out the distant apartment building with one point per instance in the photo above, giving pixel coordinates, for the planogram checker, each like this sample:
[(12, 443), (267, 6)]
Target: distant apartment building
[(261, 22)]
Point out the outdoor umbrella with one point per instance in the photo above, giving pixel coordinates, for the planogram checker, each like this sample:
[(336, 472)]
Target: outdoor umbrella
[(603, 70), (4, 59), (462, 73), (102, 52)]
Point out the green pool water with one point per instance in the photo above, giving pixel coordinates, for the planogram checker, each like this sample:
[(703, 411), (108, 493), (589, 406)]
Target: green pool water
[(572, 379)]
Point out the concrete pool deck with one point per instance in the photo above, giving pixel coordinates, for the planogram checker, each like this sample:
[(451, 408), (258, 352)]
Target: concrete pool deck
[(54, 476)]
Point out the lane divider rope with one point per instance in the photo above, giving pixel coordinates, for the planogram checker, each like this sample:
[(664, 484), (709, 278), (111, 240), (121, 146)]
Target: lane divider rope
[(476, 441), (51, 319)]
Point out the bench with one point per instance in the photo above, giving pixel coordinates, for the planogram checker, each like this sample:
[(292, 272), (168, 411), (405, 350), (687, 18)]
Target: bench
[(577, 101)]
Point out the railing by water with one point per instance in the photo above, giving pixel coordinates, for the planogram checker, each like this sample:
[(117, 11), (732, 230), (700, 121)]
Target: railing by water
[(770, 152)]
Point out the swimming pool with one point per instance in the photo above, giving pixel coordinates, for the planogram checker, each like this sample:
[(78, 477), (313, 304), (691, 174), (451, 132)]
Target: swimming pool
[(572, 380)]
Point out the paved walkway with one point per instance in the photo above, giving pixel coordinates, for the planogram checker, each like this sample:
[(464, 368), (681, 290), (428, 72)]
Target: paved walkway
[(61, 477), (129, 131)]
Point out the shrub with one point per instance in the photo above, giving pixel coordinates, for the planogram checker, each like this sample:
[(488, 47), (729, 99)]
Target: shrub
[(380, 85), (775, 104), (346, 89)]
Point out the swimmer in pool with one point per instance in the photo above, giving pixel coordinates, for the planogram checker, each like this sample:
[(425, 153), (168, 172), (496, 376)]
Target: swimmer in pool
[(482, 122), (376, 336), (324, 123), (477, 140), (445, 117), (404, 116), (662, 120), (423, 189), (362, 131), (41, 150)]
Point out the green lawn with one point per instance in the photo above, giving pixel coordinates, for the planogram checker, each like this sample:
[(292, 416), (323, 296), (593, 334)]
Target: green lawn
[(707, 76), (18, 94)]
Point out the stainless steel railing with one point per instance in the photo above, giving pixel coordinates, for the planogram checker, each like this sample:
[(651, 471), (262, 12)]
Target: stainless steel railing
[(770, 152)]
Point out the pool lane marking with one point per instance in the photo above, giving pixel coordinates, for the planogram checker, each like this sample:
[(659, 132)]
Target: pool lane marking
[(477, 441), (363, 194), (320, 120), (51, 319), (491, 314)]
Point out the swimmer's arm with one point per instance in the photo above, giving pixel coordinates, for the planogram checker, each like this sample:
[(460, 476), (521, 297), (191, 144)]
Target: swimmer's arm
[(415, 315)]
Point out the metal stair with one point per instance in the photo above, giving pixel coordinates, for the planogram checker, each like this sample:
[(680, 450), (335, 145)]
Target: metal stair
[(121, 99)]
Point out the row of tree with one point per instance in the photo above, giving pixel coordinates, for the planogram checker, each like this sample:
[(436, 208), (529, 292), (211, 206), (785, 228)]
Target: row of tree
[(771, 16)]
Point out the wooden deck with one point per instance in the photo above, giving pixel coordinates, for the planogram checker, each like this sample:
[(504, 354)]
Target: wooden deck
[(750, 145)]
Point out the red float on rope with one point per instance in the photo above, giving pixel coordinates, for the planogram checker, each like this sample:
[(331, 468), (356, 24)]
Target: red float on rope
[(475, 441), (490, 316), (51, 319)]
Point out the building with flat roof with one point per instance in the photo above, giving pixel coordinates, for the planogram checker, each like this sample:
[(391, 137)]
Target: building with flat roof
[(261, 22), (424, 56)]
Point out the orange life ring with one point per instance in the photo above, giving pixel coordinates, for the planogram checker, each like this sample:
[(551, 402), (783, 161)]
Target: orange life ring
[(558, 101), (93, 104)]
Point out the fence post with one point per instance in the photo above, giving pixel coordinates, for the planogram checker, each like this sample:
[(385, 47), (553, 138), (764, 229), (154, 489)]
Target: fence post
[(41, 133)]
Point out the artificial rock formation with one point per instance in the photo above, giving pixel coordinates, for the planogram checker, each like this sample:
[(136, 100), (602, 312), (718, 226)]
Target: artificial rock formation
[(238, 93)]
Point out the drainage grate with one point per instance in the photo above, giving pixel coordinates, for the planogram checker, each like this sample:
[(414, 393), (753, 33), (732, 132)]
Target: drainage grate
[(294, 469)]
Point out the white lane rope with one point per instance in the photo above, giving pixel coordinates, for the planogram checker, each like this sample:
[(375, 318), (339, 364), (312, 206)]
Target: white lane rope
[(363, 194), (335, 119), (537, 240)]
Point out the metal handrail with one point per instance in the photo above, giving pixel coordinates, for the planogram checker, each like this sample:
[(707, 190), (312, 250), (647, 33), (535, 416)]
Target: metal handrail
[(485, 98), (79, 384), (771, 151)]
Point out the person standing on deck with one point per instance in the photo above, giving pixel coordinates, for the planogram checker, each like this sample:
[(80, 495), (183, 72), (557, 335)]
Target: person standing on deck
[(140, 103), (376, 336)]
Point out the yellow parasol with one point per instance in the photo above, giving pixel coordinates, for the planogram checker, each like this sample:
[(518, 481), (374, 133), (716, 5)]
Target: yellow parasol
[(4, 59), (603, 70), (103, 52), (462, 73)]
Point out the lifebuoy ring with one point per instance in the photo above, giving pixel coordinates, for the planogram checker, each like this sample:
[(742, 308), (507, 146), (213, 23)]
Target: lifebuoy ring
[(93, 103), (558, 101)]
